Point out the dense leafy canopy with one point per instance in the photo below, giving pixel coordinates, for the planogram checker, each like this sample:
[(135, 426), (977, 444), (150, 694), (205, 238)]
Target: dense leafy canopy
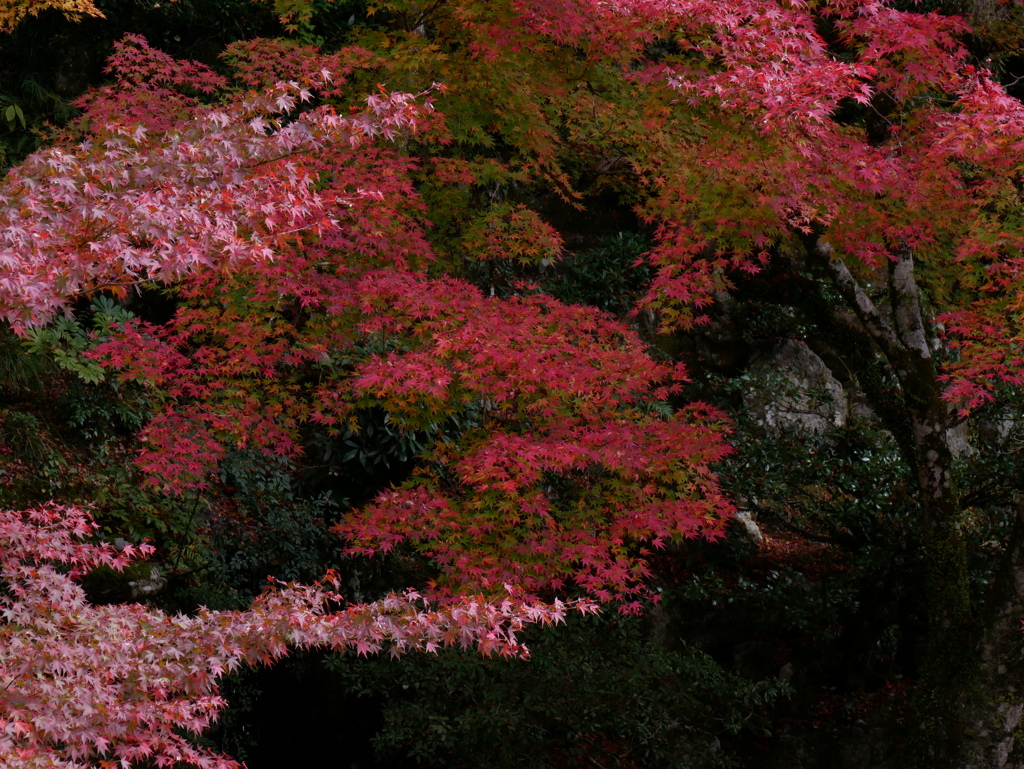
[(336, 256)]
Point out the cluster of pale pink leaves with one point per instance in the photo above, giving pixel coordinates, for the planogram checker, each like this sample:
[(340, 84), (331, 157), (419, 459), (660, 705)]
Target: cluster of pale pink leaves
[(84, 685), (224, 187), (768, 61), (760, 57)]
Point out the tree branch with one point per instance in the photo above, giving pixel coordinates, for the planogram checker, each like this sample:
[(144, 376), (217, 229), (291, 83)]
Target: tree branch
[(871, 319), (906, 303)]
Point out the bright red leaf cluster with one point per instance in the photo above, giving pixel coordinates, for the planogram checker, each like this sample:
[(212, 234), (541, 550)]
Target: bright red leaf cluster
[(297, 248)]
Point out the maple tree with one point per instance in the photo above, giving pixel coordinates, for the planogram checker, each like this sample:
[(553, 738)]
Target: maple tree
[(913, 196), (849, 144), (294, 243), (852, 142)]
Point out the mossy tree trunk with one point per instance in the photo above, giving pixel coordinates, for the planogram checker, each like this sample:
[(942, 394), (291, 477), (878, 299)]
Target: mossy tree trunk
[(994, 702), (969, 708), (946, 711)]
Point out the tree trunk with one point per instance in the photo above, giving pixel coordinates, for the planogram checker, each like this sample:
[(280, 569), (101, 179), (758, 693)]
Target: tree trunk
[(994, 702), (902, 337)]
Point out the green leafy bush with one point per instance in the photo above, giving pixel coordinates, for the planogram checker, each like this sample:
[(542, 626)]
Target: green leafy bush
[(596, 691)]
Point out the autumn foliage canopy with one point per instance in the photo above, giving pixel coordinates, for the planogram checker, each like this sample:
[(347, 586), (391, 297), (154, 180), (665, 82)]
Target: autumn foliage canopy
[(290, 211)]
